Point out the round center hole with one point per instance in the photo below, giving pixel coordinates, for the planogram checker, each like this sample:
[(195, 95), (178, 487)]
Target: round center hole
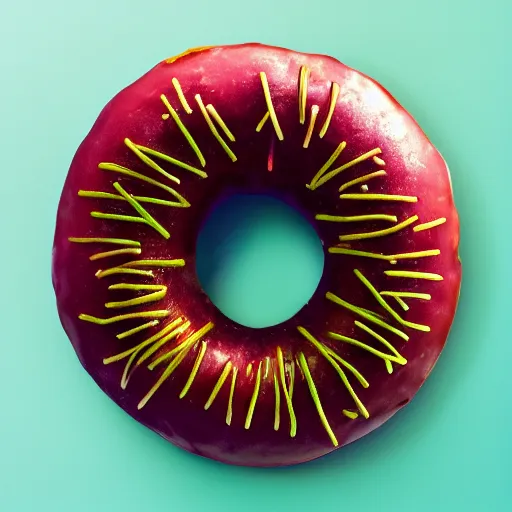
[(258, 259)]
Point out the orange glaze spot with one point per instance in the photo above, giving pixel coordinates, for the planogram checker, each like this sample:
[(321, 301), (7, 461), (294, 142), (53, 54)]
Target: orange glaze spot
[(170, 60)]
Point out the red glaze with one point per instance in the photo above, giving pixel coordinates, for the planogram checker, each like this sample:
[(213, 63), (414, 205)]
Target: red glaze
[(366, 117)]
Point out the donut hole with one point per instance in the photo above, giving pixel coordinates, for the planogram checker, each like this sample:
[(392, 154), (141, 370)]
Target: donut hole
[(258, 259)]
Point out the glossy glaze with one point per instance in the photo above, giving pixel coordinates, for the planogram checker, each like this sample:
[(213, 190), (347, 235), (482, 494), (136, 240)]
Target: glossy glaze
[(366, 117)]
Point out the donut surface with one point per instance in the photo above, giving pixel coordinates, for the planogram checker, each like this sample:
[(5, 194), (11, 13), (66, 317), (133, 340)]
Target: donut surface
[(330, 142)]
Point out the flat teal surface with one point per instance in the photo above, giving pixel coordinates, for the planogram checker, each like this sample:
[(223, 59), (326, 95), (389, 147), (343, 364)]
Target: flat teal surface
[(264, 253), (64, 446)]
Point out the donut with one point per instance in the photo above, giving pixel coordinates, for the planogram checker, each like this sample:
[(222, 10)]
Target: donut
[(331, 143)]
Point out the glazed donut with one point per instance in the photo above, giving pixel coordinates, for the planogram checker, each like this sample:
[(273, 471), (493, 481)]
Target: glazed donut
[(330, 142)]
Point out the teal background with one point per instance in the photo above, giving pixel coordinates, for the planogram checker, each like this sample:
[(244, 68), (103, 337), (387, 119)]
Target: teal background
[(64, 446), (251, 252)]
